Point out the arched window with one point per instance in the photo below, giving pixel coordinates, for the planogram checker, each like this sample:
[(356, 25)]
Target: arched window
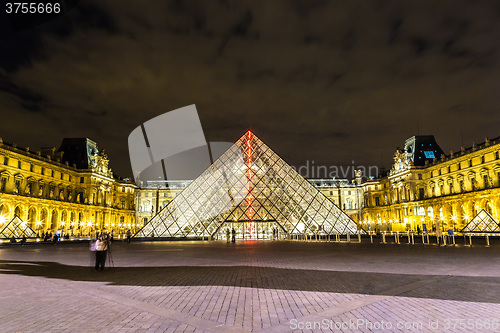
[(32, 217), (53, 220), (44, 217), (17, 211)]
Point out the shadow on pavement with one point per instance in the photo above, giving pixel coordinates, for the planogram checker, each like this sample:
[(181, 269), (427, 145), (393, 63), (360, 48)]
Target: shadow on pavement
[(459, 288)]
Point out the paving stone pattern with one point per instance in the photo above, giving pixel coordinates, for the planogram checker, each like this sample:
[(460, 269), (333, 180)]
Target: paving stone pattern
[(250, 287)]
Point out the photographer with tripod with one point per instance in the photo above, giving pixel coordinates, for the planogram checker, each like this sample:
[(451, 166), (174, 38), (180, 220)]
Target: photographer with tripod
[(102, 247)]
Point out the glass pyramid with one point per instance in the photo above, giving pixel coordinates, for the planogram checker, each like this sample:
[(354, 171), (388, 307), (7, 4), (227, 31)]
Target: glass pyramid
[(17, 228), (249, 188), (482, 222)]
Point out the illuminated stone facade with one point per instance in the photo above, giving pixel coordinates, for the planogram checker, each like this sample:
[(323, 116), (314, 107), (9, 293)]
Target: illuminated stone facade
[(435, 189), (71, 189)]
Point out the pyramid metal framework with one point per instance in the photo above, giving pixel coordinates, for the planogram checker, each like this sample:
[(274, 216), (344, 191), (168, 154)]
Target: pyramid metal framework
[(17, 228), (482, 222), (249, 183)]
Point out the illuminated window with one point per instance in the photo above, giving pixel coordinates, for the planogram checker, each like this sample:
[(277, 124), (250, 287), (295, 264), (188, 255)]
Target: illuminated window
[(52, 173), (421, 193), (146, 194), (377, 201), (6, 161), (473, 184), (19, 164), (17, 186), (482, 159), (496, 155), (31, 167), (3, 183), (82, 179), (123, 189), (419, 176), (429, 154), (470, 163), (123, 204)]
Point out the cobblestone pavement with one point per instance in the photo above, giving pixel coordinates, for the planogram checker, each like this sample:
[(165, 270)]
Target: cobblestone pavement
[(250, 286)]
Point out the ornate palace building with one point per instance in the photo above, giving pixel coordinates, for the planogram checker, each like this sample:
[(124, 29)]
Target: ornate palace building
[(71, 189), (427, 187)]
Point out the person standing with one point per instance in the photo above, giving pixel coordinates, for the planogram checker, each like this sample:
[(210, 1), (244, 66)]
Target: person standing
[(129, 235), (101, 252), (233, 232), (228, 234)]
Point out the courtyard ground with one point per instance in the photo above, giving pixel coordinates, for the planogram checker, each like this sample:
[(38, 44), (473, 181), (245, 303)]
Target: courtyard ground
[(266, 286)]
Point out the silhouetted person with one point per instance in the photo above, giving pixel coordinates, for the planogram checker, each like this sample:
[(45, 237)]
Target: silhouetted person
[(129, 235), (101, 252), (233, 232)]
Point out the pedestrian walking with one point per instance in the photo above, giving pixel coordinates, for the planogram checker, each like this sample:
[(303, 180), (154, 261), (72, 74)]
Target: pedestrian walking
[(228, 234), (233, 232), (129, 234)]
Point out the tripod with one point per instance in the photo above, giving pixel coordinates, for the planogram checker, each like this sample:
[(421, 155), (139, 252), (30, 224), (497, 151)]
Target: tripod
[(111, 263)]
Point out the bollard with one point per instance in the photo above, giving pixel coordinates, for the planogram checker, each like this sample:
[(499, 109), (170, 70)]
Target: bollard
[(396, 237), (412, 240), (428, 242), (423, 242), (337, 238), (371, 238), (470, 240), (408, 235), (453, 236), (444, 240), (359, 238), (487, 240), (348, 237), (383, 237)]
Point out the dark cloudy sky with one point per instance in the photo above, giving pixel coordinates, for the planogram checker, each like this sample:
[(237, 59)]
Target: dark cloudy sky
[(329, 81)]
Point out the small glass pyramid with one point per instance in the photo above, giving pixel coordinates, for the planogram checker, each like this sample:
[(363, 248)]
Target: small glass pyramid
[(251, 189), (482, 222), (17, 228)]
